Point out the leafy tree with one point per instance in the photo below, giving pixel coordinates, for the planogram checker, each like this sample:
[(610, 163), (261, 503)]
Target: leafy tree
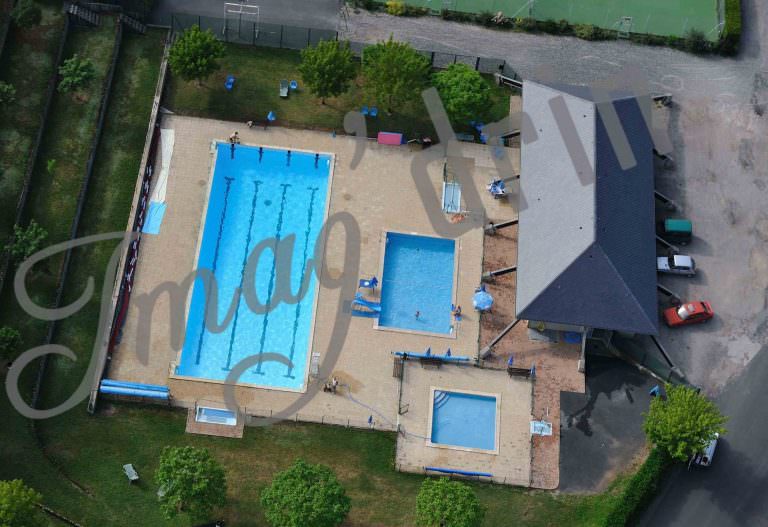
[(191, 480), (26, 13), (195, 54), (327, 68), (75, 73), (696, 42), (26, 241), (10, 340), (395, 7), (18, 504), (445, 503), (684, 423), (7, 92), (305, 495), (464, 92), (394, 72)]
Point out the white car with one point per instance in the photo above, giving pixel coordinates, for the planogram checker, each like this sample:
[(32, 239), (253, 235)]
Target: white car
[(676, 264)]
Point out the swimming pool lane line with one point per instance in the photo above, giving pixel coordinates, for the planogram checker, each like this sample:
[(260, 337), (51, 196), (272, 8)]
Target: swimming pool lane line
[(256, 184), (271, 287), (228, 181), (307, 231)]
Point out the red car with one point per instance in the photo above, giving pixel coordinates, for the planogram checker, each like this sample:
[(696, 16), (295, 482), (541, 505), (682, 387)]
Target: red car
[(688, 313)]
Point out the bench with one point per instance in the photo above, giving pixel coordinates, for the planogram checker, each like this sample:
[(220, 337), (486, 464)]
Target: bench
[(436, 362), (130, 473)]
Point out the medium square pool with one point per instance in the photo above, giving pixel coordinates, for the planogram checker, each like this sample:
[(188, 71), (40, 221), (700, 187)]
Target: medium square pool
[(417, 277)]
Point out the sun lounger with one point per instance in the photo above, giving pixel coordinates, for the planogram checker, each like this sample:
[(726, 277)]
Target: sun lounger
[(130, 473), (284, 88)]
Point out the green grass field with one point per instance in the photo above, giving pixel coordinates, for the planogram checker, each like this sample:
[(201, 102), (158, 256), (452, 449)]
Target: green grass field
[(259, 71), (655, 17)]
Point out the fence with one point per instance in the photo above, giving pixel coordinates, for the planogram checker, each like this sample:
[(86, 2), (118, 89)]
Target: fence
[(5, 22), (5, 263), (127, 267), (254, 414), (298, 38)]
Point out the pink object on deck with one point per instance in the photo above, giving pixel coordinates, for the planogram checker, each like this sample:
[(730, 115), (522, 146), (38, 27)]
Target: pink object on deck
[(390, 138)]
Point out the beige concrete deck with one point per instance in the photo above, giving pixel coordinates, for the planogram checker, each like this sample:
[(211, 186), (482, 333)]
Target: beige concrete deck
[(381, 195), (509, 465)]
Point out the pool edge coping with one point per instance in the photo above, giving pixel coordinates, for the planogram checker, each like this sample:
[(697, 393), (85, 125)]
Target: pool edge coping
[(497, 430)]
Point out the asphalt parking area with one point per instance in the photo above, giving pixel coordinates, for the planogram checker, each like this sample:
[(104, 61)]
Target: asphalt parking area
[(601, 430)]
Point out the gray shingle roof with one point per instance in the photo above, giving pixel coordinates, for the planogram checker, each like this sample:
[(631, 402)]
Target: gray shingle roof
[(586, 243)]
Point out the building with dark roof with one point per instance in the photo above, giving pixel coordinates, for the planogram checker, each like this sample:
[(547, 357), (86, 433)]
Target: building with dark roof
[(586, 241)]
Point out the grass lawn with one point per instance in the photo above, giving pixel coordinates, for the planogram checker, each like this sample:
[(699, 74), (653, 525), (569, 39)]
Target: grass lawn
[(53, 198), (363, 461), (27, 63), (256, 93)]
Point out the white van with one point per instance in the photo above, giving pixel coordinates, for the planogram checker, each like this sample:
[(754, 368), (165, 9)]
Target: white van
[(704, 458)]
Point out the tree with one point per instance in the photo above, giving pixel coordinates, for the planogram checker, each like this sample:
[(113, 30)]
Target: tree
[(27, 241), (26, 13), (327, 69), (305, 495), (394, 72), (75, 73), (696, 42), (10, 340), (7, 92), (464, 92), (684, 423), (18, 504), (195, 54), (190, 480), (445, 503)]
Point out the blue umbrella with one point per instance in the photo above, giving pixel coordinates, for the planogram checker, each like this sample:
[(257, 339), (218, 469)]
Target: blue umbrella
[(482, 301)]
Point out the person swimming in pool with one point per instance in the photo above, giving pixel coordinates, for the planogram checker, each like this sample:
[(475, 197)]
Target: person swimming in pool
[(417, 314)]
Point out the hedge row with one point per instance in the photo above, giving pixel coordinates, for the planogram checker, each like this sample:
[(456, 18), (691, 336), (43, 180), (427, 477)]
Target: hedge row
[(694, 41), (640, 490), (729, 42)]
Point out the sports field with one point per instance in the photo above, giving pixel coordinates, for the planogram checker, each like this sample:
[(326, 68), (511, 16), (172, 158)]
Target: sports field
[(656, 17)]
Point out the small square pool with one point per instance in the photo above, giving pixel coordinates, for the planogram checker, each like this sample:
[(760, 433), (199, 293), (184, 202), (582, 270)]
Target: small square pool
[(464, 420), (417, 278)]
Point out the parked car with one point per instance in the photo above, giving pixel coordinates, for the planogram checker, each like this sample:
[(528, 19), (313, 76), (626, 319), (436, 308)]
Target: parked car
[(676, 264), (704, 458), (676, 230), (688, 313)]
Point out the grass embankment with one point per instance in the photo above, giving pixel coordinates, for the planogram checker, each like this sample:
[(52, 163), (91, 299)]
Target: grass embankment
[(106, 209), (27, 63), (256, 93), (53, 197)]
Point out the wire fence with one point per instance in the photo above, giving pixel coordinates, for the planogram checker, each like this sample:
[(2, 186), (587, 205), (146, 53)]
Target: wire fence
[(253, 33), (254, 415)]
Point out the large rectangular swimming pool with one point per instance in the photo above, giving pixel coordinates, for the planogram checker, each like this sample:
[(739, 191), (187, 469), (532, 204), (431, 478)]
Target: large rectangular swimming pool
[(463, 420), (417, 277), (257, 195)]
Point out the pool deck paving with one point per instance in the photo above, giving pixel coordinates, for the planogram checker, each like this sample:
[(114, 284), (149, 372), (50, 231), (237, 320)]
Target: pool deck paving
[(556, 362), (381, 195)]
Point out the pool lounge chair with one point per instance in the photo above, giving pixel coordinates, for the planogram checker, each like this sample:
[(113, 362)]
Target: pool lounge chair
[(368, 283), (497, 188), (284, 88), (130, 473), (230, 82)]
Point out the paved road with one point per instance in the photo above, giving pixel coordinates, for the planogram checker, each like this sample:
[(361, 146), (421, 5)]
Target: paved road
[(720, 140), (732, 491), (322, 14)]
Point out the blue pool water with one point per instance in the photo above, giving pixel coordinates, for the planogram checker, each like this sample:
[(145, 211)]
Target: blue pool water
[(418, 276), (254, 197), (463, 419)]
